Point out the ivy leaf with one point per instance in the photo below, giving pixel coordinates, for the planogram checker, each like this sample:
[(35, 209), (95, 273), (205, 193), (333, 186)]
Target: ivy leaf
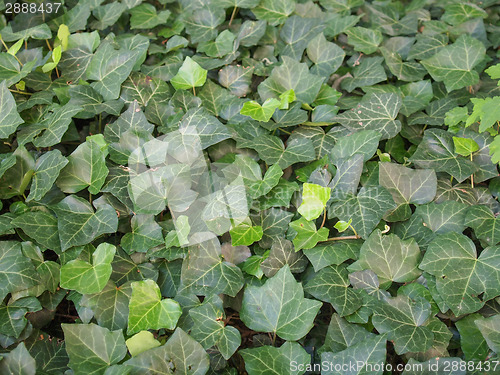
[(236, 78), (40, 226), (54, 125), (454, 64), (148, 311), (275, 12), (471, 339), (390, 258), (437, 151), (12, 315), (368, 73), (189, 76), (259, 112), (92, 349), (257, 363), (444, 217), (326, 56), (145, 234), (404, 322), (141, 342), (181, 351), (366, 209), (209, 328), (283, 294), (18, 361), (364, 142), (456, 14), (282, 253), (374, 112), (109, 68), (332, 285), (245, 234), (314, 198), (484, 222), (490, 332), (464, 281), (307, 234), (144, 16), (16, 271), (9, 119), (370, 352), (363, 39), (86, 167), (78, 223), (47, 170), (465, 146), (89, 278), (323, 255)]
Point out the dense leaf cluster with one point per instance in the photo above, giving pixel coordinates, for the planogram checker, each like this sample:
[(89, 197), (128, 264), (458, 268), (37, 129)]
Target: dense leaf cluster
[(250, 186)]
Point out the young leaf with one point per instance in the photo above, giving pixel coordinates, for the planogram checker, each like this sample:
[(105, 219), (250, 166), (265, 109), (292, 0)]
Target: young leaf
[(190, 75), (259, 112), (140, 342), (314, 198), (307, 234), (465, 146), (245, 234)]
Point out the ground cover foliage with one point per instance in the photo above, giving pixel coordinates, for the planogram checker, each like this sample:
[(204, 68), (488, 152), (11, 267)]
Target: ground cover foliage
[(250, 186)]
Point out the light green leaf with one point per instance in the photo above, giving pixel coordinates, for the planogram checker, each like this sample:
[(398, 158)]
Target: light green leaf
[(390, 258), (275, 12), (465, 146), (464, 281), (78, 223), (342, 226), (245, 234), (140, 342), (363, 39), (92, 349), (89, 278), (47, 170), (307, 234), (314, 198), (284, 295), (181, 351), (148, 311), (374, 112), (337, 253), (287, 359), (454, 64), (260, 112), (9, 118), (210, 330), (190, 75)]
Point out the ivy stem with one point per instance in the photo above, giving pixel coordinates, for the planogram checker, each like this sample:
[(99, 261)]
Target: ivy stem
[(20, 92), (324, 218), (235, 9), (472, 175), (194, 91), (7, 48), (274, 338), (354, 230), (284, 131), (342, 238)]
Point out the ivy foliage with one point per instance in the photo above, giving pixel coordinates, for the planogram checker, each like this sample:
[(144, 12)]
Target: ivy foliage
[(250, 186)]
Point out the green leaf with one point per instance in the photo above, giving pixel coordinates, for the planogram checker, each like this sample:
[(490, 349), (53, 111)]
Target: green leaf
[(369, 72), (404, 321), (275, 12), (366, 209), (314, 198), (307, 234), (454, 64), (145, 234), (287, 359), (16, 271), (282, 253), (40, 226), (78, 223), (109, 68), (363, 39), (326, 56), (13, 315), (245, 234), (464, 281), (456, 14), (9, 119), (284, 295), (148, 311), (181, 352), (86, 167), (89, 278), (47, 170), (324, 255), (210, 330), (258, 112), (145, 16), (371, 352), (484, 222), (332, 285), (92, 349), (190, 75), (374, 112), (364, 142), (18, 361), (437, 151), (444, 217), (236, 78), (490, 332), (465, 146), (471, 339), (141, 342), (342, 226), (221, 46), (390, 258)]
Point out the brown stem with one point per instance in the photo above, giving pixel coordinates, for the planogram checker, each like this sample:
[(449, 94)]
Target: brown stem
[(324, 218), (235, 9), (342, 238)]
